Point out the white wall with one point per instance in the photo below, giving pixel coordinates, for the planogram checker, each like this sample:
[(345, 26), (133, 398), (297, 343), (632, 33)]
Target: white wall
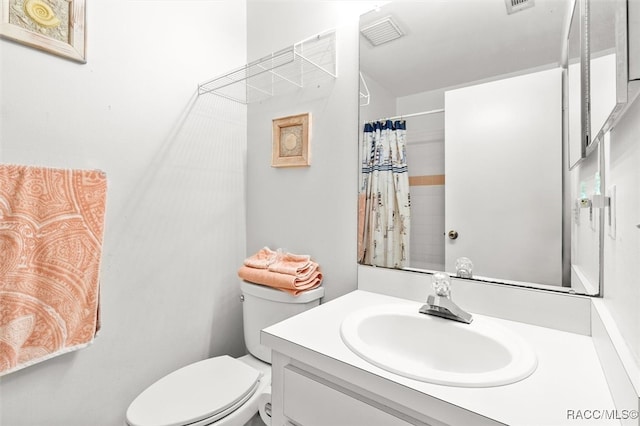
[(175, 230), (309, 210), (621, 253)]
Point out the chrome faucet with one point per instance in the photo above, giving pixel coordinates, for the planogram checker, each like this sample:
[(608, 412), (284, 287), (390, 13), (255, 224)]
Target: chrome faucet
[(441, 304)]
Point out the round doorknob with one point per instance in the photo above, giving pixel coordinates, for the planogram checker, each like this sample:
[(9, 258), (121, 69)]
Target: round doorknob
[(452, 234)]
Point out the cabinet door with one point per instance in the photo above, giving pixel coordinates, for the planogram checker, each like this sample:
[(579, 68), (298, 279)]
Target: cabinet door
[(308, 402)]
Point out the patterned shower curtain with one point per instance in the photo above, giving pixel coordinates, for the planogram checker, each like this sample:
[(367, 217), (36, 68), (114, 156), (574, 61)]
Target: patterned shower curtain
[(384, 201)]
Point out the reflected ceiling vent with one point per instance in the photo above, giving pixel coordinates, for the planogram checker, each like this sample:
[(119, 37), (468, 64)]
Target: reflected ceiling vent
[(514, 6), (382, 31)]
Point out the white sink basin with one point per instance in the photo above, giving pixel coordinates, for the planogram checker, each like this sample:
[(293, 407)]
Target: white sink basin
[(398, 339)]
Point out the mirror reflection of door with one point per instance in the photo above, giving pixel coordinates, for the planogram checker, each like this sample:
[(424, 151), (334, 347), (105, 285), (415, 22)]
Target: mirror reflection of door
[(503, 196)]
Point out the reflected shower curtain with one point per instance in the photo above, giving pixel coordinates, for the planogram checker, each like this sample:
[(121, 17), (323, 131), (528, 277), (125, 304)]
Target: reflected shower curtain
[(384, 201)]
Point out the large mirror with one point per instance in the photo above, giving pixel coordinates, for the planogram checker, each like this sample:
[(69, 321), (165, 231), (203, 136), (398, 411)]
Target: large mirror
[(467, 98)]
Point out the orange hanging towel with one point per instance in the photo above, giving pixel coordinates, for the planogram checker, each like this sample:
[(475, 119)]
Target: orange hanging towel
[(51, 230)]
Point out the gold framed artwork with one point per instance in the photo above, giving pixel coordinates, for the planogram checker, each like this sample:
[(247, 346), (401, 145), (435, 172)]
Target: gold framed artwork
[(291, 141), (54, 26)]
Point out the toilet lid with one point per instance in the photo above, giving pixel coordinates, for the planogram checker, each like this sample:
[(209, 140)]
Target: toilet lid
[(210, 388)]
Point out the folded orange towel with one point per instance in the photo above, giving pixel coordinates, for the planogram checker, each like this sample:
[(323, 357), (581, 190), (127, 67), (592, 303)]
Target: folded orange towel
[(292, 264), (289, 283), (262, 259), (303, 274)]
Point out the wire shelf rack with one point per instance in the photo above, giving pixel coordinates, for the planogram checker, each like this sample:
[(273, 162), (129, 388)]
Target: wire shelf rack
[(304, 63), (365, 95)]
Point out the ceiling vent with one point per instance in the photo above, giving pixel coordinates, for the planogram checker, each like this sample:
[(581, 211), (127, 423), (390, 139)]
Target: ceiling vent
[(382, 31), (514, 6)]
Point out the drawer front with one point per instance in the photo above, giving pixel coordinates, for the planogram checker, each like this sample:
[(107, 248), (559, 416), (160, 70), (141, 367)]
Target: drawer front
[(308, 402)]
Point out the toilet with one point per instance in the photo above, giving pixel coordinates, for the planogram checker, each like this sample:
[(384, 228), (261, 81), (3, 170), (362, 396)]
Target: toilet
[(224, 391)]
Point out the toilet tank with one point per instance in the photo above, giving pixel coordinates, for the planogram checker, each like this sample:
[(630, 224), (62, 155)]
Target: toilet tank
[(264, 306)]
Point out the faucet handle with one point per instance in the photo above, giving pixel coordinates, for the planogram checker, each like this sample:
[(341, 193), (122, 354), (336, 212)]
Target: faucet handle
[(464, 267), (442, 284)]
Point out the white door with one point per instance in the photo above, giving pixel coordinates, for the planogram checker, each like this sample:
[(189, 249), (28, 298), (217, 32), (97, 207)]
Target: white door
[(503, 184)]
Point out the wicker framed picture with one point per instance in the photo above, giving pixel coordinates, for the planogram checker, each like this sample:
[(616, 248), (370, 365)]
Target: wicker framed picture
[(291, 141), (54, 26)]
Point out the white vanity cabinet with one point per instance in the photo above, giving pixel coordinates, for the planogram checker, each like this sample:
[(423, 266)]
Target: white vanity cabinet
[(318, 380), (306, 395)]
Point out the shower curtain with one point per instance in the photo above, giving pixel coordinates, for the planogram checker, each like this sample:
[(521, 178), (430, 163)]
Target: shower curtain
[(384, 200)]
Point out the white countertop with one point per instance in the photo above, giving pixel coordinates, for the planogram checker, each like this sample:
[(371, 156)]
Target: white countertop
[(568, 382)]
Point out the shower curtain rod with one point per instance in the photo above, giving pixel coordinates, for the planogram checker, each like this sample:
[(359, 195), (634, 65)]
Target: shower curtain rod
[(415, 114)]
